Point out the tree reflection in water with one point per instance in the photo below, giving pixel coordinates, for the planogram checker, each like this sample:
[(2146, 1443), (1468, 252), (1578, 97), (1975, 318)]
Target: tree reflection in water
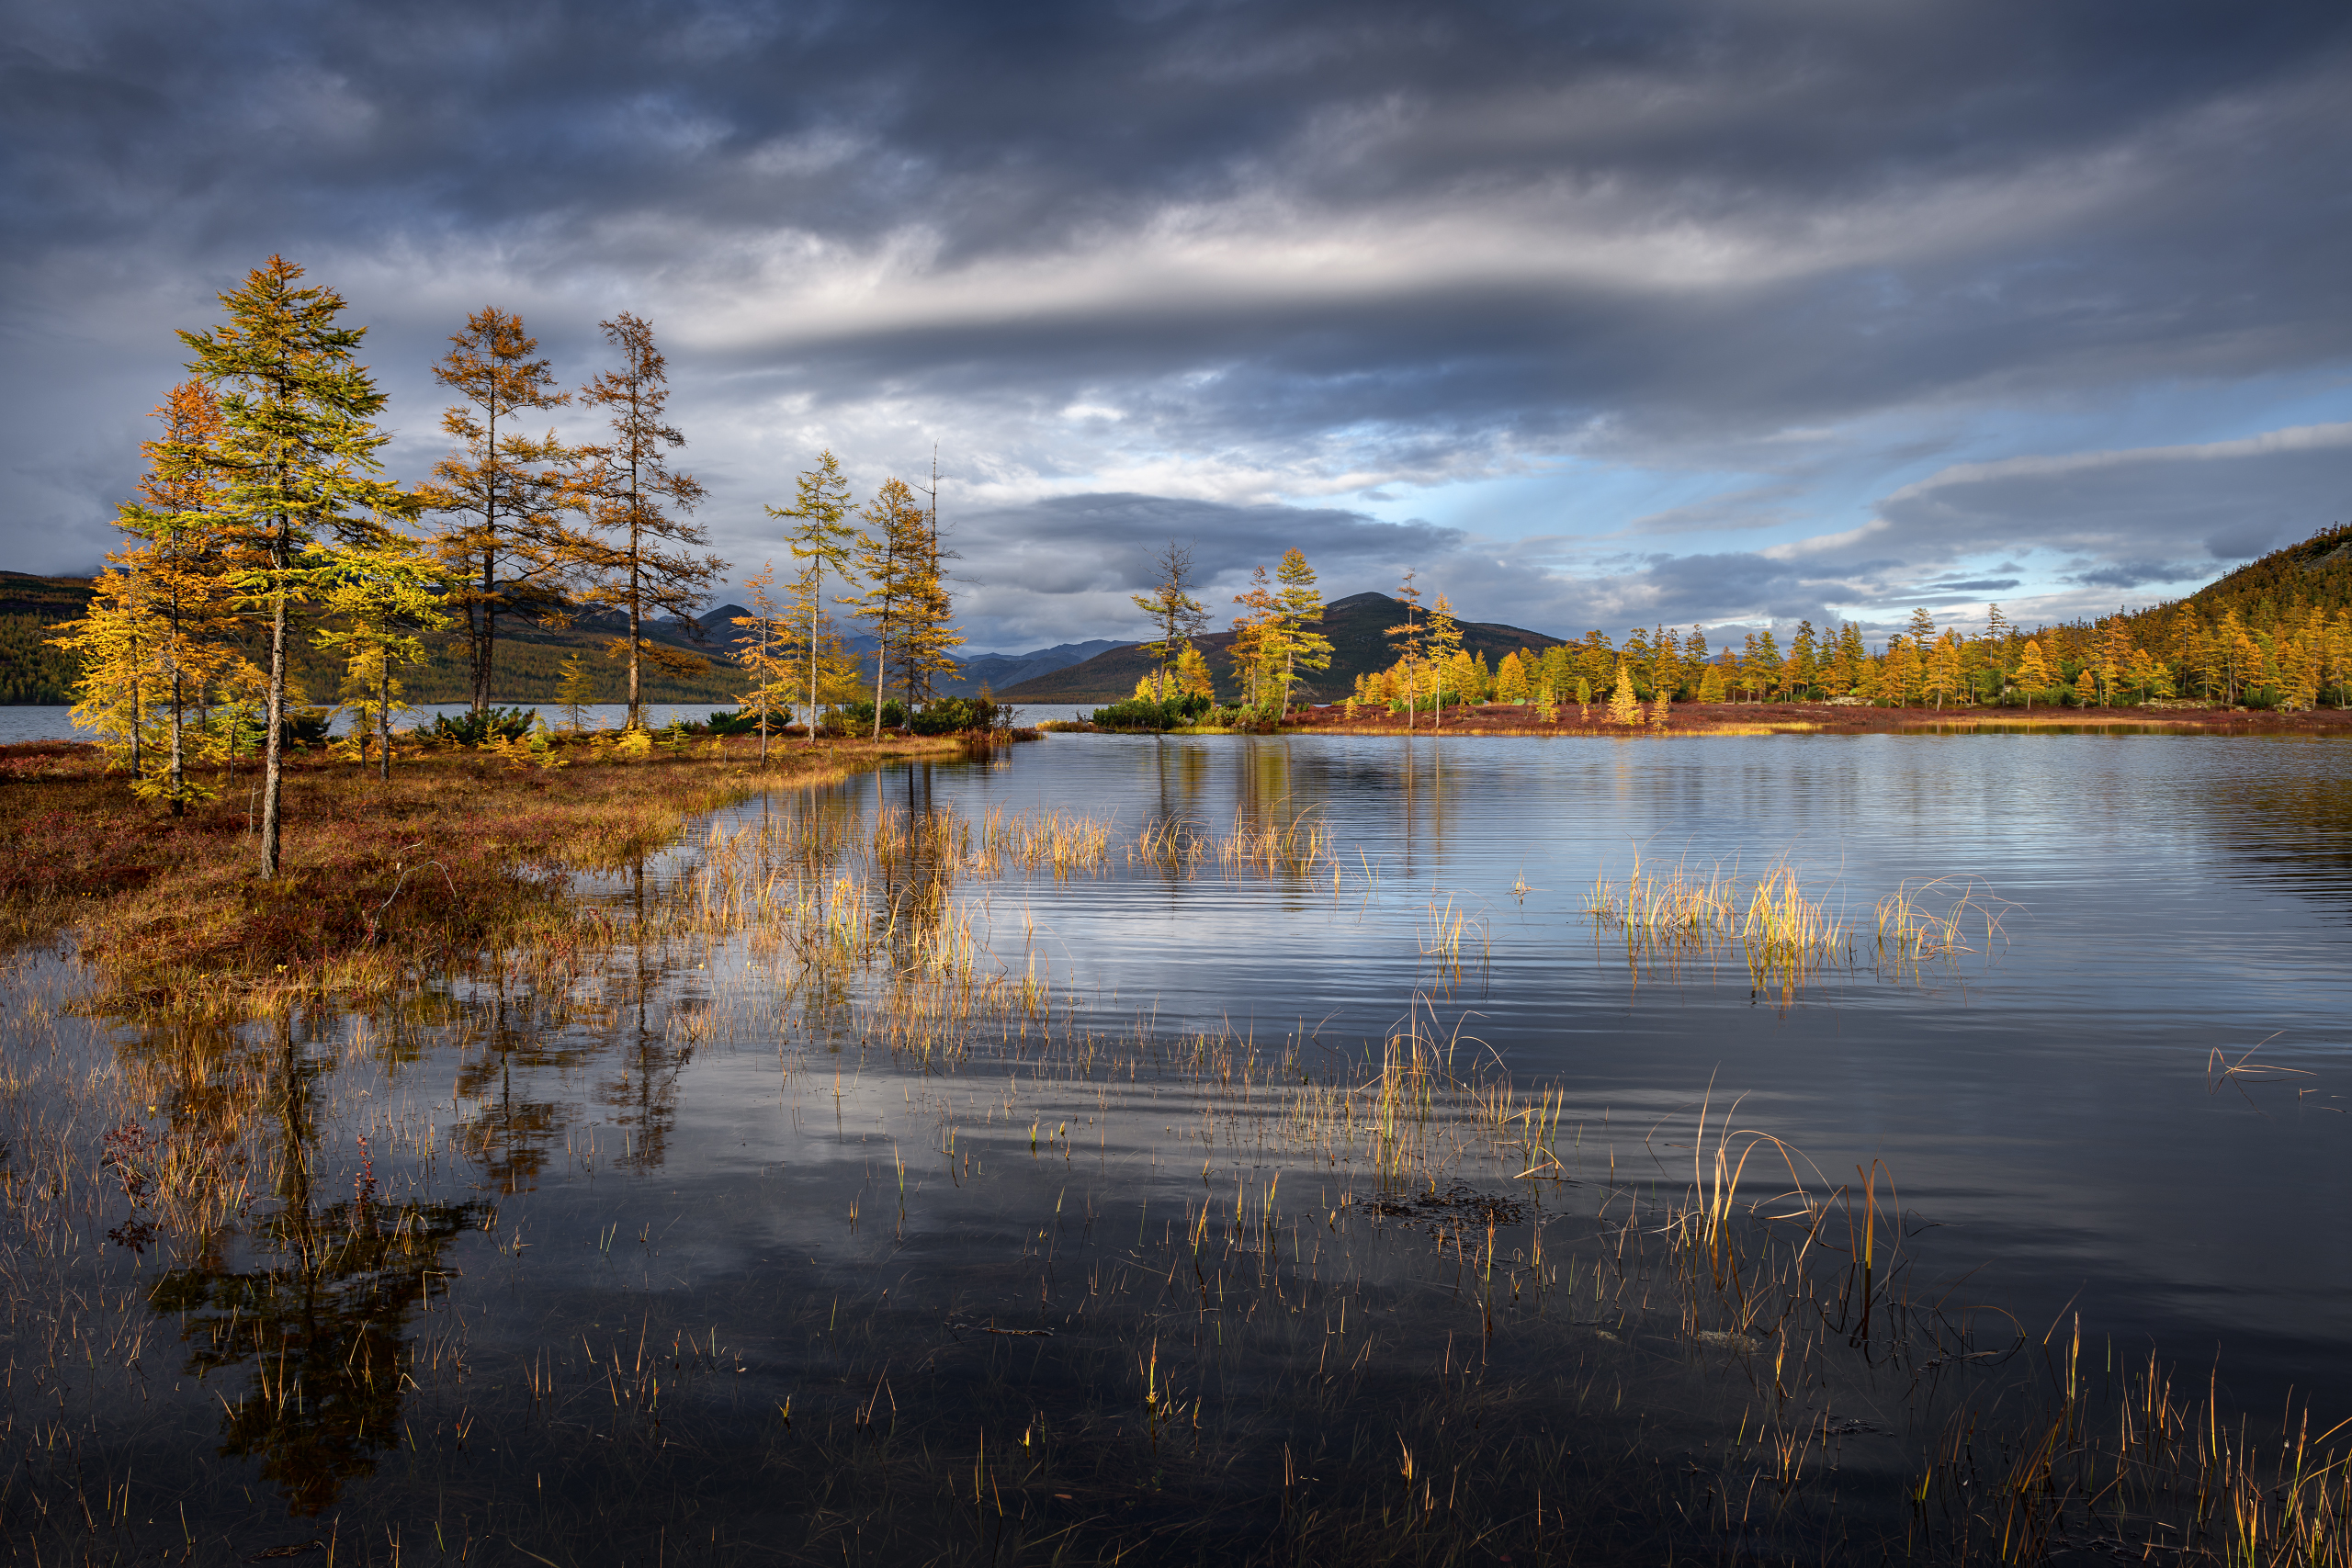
[(316, 1317)]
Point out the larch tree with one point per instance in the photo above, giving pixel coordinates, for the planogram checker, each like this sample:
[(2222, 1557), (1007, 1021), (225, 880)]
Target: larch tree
[(1624, 704), (378, 598), (1411, 639), (822, 540), (181, 575), (507, 548), (644, 562), (1298, 603), (893, 560), (927, 634), (2033, 670), (767, 655), (1176, 616), (1256, 638), (1439, 645), (296, 458)]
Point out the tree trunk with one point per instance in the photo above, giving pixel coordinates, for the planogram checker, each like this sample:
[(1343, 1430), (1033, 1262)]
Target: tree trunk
[(179, 801), (384, 723), (273, 758), (635, 620), (881, 657)]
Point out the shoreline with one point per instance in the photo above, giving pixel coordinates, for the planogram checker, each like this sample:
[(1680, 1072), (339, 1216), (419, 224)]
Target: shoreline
[(1806, 719)]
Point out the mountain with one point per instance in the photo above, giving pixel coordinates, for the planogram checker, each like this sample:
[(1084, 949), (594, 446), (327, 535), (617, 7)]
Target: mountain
[(993, 671), (1357, 625), (999, 671)]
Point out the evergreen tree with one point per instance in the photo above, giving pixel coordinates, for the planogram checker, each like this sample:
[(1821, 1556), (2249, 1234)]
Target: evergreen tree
[(507, 548), (644, 563), (296, 457)]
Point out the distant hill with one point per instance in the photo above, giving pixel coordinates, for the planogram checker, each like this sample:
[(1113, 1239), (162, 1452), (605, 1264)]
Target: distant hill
[(2315, 574), (992, 671), (528, 655), (1357, 625), (30, 670)]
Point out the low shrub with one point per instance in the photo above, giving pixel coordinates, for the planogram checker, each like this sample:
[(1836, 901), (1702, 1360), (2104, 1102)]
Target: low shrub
[(473, 728), (1140, 714)]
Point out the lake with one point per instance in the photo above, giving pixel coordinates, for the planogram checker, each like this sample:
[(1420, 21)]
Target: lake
[(1225, 1149)]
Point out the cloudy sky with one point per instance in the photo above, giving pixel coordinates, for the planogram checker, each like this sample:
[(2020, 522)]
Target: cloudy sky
[(1594, 314)]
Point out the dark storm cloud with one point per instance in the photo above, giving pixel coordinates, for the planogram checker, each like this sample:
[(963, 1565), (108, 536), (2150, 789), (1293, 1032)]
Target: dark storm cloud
[(1285, 249)]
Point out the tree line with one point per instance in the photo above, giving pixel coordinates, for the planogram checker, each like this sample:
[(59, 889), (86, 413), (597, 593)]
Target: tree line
[(263, 519), (2274, 644)]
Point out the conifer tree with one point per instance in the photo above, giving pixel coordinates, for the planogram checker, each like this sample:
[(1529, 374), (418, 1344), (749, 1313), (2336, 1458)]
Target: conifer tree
[(1940, 678), (2086, 689), (1176, 615), (892, 558), (507, 548), (377, 597), (575, 691), (177, 585), (296, 458), (1510, 680), (1193, 678), (1441, 644), (1299, 606), (644, 563), (1412, 641), (1903, 674), (2032, 672), (1256, 638), (1804, 661), (821, 541), (768, 657), (1624, 706)]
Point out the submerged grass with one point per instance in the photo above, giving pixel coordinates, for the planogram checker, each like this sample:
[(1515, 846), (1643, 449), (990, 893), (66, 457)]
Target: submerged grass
[(1409, 1310)]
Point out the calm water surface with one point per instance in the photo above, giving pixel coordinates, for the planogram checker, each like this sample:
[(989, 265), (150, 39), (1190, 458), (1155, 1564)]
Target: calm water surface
[(694, 1148)]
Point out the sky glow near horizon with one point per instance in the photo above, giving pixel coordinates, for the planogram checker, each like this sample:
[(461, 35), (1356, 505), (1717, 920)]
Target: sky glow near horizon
[(1594, 315)]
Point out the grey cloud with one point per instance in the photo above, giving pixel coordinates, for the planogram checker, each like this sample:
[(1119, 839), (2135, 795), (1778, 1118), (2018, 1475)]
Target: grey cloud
[(1947, 204), (2136, 516)]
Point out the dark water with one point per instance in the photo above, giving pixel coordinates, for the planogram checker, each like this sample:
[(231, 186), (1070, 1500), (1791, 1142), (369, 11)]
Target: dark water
[(698, 1175)]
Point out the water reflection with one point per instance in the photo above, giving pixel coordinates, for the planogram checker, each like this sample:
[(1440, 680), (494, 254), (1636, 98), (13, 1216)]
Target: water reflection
[(309, 1307)]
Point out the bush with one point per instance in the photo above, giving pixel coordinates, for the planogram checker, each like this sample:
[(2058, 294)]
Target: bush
[(859, 717), (1140, 714), (473, 728), (305, 727), (743, 721)]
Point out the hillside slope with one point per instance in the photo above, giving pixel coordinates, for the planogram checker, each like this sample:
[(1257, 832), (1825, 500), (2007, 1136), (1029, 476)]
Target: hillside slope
[(1357, 625)]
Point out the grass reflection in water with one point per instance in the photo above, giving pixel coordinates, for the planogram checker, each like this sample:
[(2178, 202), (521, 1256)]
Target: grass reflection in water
[(1002, 1281)]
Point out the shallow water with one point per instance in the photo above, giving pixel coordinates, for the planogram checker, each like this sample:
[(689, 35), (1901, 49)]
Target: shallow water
[(700, 1148)]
